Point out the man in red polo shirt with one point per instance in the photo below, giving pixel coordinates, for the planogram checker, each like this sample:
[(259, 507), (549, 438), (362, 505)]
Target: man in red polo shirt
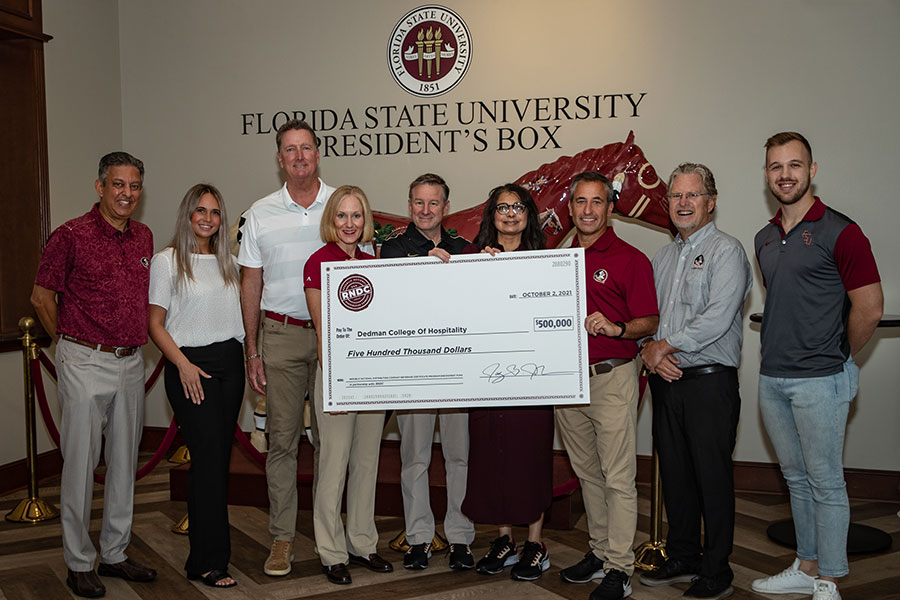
[(600, 437), (91, 294)]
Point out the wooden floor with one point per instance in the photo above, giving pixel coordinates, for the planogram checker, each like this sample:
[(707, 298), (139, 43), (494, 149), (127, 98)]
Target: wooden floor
[(31, 563)]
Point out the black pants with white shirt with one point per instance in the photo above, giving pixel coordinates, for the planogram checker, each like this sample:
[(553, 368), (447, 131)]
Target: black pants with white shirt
[(208, 430)]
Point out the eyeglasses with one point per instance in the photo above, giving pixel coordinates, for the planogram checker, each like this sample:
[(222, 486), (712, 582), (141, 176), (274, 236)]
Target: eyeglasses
[(503, 208), (689, 196)]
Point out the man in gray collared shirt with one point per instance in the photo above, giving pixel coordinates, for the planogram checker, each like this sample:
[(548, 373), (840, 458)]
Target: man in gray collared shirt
[(702, 279)]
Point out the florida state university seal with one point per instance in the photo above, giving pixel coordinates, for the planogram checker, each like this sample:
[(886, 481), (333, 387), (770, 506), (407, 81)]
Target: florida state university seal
[(429, 51)]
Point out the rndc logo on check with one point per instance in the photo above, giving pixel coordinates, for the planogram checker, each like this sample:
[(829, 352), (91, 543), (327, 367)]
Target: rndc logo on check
[(356, 293)]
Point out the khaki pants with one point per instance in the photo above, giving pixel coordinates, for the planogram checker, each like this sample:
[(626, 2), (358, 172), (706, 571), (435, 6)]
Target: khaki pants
[(416, 438), (290, 354), (99, 395), (600, 441), (346, 440)]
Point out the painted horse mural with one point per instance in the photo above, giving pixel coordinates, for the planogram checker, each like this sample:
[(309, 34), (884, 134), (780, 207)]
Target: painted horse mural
[(642, 194)]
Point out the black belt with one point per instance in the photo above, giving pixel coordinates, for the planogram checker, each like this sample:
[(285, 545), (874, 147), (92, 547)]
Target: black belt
[(605, 366), (692, 372)]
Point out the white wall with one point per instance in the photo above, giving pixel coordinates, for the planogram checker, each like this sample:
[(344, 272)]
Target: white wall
[(720, 77), (84, 121)]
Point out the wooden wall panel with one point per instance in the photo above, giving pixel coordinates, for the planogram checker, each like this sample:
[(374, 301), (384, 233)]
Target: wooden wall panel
[(23, 160)]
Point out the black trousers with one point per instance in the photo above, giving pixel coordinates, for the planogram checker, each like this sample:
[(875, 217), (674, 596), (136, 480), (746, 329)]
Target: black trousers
[(208, 430), (694, 429)]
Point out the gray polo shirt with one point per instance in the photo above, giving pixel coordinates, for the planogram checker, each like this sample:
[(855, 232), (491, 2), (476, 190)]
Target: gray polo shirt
[(701, 284), (807, 272)]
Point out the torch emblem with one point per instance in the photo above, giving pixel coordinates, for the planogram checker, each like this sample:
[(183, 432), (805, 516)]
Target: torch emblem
[(429, 51)]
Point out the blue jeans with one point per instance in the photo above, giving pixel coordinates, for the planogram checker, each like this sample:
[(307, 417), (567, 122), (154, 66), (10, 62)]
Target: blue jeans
[(806, 419)]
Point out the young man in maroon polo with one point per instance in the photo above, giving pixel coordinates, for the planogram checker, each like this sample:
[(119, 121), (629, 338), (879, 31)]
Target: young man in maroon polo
[(91, 295), (600, 437), (823, 302)]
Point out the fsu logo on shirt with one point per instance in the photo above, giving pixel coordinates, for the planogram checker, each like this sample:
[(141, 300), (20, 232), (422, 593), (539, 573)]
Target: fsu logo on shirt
[(807, 237), (601, 276)]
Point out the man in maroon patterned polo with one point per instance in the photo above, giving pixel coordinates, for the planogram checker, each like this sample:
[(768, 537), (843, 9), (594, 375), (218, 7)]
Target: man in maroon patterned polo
[(91, 296)]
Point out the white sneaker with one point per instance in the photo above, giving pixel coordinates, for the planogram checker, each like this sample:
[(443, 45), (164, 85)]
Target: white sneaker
[(826, 590), (790, 581)]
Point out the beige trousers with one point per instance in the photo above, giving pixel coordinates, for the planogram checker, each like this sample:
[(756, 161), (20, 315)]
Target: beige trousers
[(600, 441), (346, 441), (290, 354)]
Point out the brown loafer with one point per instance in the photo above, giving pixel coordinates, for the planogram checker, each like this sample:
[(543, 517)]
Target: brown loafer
[(127, 569), (337, 574), (85, 584), (373, 562)]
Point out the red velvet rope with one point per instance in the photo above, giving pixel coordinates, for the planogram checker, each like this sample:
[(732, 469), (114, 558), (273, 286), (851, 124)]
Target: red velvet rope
[(37, 378), (38, 382), (48, 364)]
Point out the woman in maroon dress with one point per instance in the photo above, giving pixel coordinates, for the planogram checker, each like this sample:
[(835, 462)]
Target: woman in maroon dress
[(510, 479)]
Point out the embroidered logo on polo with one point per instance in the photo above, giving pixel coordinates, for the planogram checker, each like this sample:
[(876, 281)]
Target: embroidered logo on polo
[(145, 261), (355, 292), (698, 262), (601, 276), (807, 237)]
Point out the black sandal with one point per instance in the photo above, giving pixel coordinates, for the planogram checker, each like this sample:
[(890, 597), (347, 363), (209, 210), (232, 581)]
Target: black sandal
[(213, 578)]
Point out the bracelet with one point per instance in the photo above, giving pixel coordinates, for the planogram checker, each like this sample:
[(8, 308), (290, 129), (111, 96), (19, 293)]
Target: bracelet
[(622, 325), (252, 356)]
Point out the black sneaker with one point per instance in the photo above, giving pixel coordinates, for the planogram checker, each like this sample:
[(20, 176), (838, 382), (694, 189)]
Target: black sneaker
[(588, 568), (416, 558), (709, 587), (532, 563), (461, 557), (615, 586), (501, 554), (671, 571)]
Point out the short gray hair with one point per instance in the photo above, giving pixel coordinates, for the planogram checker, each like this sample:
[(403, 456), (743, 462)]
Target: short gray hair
[(706, 176)]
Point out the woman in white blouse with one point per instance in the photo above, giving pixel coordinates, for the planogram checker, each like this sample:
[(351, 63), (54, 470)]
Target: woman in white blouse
[(195, 320)]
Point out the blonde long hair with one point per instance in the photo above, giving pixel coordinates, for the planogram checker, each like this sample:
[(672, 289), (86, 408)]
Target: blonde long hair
[(184, 242)]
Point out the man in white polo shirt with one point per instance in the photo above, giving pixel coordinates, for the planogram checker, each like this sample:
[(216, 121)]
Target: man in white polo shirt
[(279, 234)]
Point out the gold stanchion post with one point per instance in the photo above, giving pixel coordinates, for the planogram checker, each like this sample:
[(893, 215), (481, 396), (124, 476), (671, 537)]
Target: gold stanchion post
[(181, 527), (31, 509), (180, 456), (650, 555)]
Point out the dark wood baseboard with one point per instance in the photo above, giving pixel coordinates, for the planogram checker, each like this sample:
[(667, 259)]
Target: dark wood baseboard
[(14, 475), (754, 477), (153, 439)]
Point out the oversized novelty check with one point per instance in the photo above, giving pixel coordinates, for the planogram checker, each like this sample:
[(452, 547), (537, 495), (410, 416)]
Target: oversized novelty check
[(481, 330)]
